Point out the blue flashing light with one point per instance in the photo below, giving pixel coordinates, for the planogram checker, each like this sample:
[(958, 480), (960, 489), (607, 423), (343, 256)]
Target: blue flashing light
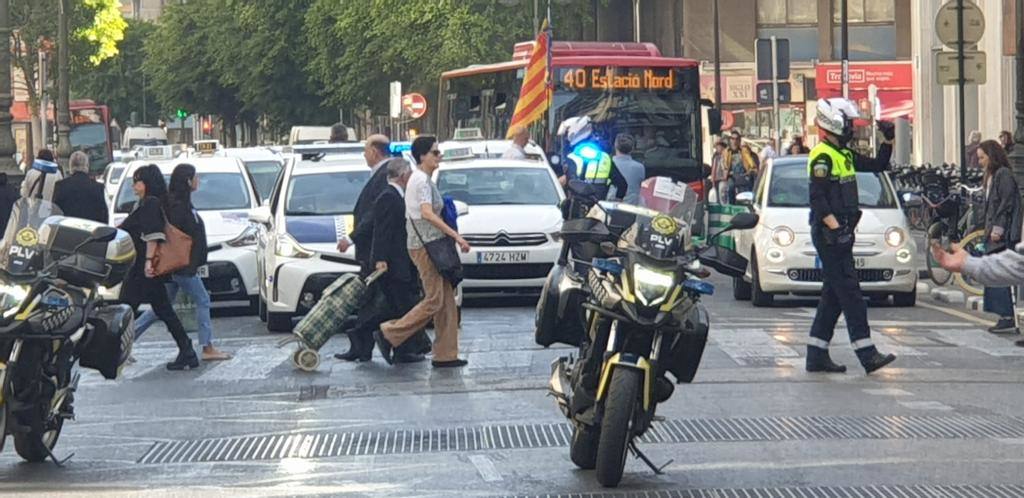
[(699, 286), (397, 148), (588, 151)]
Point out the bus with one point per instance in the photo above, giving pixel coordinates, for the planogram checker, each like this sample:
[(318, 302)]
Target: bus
[(623, 87), (90, 133)]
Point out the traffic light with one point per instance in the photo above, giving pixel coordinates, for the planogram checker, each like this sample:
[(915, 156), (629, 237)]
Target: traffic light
[(181, 113), (207, 126)]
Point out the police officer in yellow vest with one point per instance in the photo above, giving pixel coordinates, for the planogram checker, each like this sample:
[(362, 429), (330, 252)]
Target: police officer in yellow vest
[(587, 162), (835, 211)]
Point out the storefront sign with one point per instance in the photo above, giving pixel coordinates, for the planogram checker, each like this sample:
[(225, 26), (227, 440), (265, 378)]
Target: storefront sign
[(736, 90), (891, 76)]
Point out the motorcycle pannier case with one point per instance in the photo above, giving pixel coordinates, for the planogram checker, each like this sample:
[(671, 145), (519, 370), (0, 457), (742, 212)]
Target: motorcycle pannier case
[(112, 332), (685, 352), (103, 263)]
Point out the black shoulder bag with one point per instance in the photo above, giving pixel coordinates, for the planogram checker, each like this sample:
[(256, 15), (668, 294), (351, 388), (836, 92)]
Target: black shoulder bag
[(443, 255)]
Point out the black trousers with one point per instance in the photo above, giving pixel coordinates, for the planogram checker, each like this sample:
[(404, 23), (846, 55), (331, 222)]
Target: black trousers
[(840, 293), (387, 300), (154, 293)]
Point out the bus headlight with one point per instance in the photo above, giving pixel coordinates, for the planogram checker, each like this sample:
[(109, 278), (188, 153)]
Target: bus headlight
[(287, 247), (895, 237), (651, 286), (783, 236)]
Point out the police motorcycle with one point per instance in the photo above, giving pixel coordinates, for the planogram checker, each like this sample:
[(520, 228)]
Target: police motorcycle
[(52, 318), (638, 306)]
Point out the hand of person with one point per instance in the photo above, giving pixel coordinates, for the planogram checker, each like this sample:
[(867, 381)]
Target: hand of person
[(954, 261), (463, 245), (343, 245), (888, 129), (150, 273), (382, 266)]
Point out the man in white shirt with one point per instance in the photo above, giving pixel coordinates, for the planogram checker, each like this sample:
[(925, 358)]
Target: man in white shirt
[(768, 152), (520, 137)]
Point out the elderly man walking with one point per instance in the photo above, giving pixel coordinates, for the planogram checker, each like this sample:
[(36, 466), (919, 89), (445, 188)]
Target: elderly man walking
[(78, 195)]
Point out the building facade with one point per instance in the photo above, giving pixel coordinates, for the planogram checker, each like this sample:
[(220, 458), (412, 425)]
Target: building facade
[(146, 10)]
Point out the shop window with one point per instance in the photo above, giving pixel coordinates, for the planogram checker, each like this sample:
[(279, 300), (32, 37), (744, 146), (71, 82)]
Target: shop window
[(865, 11), (783, 12)]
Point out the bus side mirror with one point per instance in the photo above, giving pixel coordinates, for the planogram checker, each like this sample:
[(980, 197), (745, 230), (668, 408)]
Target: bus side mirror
[(714, 121)]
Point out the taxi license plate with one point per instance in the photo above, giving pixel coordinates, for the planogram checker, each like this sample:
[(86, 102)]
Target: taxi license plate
[(857, 262), (501, 257), (203, 271)]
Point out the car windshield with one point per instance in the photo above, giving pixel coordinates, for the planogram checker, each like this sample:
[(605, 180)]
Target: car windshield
[(217, 192), (498, 186), (789, 187), (265, 174), (325, 194)]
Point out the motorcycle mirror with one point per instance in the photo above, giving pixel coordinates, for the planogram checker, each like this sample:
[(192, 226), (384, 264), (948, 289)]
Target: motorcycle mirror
[(103, 234), (743, 221)]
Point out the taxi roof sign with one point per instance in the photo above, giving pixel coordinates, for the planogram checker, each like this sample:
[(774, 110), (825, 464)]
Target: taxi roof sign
[(207, 146), (459, 153), (156, 152), (468, 134)]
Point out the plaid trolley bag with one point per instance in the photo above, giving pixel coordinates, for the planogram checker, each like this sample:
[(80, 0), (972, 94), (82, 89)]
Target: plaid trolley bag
[(327, 318)]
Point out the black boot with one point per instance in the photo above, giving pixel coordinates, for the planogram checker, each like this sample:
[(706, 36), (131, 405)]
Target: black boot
[(876, 361), (360, 350), (818, 360), (1004, 326), (186, 360), (384, 346)]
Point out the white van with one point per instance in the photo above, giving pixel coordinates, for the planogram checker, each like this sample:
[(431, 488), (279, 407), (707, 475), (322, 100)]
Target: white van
[(304, 135), (143, 135)]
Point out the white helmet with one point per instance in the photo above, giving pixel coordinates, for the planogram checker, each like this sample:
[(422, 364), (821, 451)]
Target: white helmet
[(836, 116), (576, 129)]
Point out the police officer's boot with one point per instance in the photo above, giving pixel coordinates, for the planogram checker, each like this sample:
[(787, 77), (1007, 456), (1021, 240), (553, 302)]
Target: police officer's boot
[(876, 360), (818, 360)]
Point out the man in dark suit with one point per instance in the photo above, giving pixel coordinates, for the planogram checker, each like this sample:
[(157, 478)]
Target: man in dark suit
[(376, 153), (78, 195)]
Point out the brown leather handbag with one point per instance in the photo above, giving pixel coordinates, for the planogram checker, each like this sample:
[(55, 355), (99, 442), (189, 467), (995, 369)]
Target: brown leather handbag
[(174, 253)]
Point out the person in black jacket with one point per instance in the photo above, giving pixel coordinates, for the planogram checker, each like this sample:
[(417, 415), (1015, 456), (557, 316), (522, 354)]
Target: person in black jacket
[(1002, 225), (145, 224), (181, 214), (376, 152), (78, 195), (8, 196)]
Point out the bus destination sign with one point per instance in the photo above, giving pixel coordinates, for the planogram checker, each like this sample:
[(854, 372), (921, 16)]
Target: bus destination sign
[(618, 78)]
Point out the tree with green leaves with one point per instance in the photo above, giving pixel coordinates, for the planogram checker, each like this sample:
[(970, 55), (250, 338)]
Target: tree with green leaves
[(117, 81)]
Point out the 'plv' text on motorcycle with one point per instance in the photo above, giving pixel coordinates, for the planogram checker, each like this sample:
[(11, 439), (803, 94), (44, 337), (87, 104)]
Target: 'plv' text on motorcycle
[(52, 318), (627, 292)]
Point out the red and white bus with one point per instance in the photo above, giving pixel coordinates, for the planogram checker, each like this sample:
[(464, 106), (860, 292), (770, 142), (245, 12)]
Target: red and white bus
[(90, 133), (623, 87)]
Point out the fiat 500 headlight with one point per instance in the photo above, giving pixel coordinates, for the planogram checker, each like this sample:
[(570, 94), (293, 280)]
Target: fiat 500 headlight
[(651, 286)]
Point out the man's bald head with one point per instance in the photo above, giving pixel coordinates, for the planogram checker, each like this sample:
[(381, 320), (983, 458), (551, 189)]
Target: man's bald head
[(377, 149)]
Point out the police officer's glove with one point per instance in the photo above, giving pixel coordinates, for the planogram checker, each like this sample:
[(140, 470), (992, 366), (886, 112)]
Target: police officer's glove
[(888, 129), (840, 236)]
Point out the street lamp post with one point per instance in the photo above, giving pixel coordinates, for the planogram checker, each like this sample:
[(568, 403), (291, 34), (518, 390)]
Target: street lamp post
[(7, 148), (1017, 156), (63, 94)]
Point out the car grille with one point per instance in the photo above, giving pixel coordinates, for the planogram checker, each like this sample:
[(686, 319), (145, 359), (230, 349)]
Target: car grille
[(506, 272), (224, 282), (863, 275), (503, 239)]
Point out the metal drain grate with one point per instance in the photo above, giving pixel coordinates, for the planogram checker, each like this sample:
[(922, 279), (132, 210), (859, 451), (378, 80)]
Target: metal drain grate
[(967, 491), (507, 437)]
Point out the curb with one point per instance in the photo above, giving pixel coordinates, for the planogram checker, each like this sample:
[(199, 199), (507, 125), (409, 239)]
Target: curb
[(948, 296)]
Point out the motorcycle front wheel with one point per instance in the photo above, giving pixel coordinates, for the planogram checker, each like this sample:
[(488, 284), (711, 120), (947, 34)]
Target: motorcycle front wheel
[(35, 445), (616, 425)]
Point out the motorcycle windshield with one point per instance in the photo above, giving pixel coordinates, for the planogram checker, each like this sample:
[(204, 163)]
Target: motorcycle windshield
[(21, 252)]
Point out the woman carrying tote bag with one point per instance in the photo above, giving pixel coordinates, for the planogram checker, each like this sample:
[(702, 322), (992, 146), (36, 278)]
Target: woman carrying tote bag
[(423, 204)]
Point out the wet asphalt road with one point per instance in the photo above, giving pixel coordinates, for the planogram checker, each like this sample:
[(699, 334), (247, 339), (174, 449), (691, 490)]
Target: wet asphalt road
[(753, 423)]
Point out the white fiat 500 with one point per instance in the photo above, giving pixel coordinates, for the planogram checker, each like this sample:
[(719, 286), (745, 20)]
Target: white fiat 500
[(309, 208), (783, 259), (513, 216), (224, 199)]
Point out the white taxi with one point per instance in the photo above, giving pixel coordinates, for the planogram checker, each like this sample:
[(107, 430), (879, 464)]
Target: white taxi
[(263, 164), (224, 199), (111, 179), (783, 259), (309, 208), (511, 224)]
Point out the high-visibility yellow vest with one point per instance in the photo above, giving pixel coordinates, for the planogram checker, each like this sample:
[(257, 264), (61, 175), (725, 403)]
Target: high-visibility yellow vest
[(842, 161), (597, 171)]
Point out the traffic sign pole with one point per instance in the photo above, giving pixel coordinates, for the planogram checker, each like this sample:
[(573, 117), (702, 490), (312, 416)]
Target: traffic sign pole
[(961, 83), (775, 93)]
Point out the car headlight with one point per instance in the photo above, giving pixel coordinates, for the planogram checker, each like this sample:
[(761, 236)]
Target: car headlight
[(246, 238), (11, 297), (287, 247), (895, 237), (651, 287), (783, 236), (904, 255)]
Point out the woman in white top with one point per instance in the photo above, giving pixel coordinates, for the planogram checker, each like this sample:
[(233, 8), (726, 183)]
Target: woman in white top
[(423, 205)]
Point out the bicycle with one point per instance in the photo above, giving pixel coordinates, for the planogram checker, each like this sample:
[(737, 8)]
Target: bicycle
[(955, 208)]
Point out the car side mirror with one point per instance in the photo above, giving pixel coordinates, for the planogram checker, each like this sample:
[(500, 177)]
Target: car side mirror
[(461, 208), (745, 199), (260, 215)]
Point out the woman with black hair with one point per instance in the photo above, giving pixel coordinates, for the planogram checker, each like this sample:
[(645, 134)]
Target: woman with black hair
[(183, 215), (1002, 225), (145, 224)]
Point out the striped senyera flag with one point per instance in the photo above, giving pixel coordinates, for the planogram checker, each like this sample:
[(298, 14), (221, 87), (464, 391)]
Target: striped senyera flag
[(535, 94)]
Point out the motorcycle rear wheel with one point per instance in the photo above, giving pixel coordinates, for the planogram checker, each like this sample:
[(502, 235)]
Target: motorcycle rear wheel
[(616, 425), (583, 447)]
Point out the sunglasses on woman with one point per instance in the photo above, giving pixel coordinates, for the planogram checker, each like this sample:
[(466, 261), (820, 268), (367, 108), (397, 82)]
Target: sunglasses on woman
[(436, 152)]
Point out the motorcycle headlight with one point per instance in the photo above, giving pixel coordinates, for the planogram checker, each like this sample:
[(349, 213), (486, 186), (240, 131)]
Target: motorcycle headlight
[(11, 298), (651, 287), (246, 238), (783, 236), (287, 247), (895, 237)]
